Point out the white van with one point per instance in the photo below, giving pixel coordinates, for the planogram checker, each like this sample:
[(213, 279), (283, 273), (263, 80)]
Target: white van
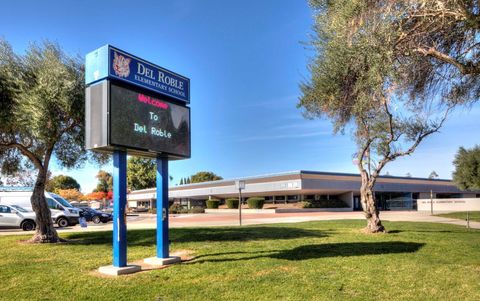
[(63, 213)]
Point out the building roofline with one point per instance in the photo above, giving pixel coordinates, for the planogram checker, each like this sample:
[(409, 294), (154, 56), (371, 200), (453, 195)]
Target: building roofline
[(289, 173), (357, 175)]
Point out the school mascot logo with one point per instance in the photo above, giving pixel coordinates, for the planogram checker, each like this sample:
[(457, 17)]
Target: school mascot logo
[(121, 65)]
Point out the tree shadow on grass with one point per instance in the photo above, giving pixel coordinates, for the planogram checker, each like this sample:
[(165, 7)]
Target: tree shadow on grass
[(348, 249), (183, 235), (325, 251)]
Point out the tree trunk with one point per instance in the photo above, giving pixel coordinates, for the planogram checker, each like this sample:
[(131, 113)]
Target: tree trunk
[(374, 224), (45, 231)]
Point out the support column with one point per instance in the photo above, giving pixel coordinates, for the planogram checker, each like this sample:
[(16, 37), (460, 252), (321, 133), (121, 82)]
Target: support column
[(119, 266), (162, 207), (119, 202), (162, 257)]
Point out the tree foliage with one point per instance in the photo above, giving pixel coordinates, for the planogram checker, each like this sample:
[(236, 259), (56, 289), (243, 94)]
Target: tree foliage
[(433, 175), (62, 182), (467, 168), (203, 176), (141, 173), (70, 194), (41, 116), (390, 72), (105, 182), (98, 196)]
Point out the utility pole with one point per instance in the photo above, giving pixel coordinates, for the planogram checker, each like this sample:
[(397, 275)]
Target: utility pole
[(240, 184)]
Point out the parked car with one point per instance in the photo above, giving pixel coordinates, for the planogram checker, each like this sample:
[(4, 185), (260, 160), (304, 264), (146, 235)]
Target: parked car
[(92, 215), (17, 217), (63, 213)]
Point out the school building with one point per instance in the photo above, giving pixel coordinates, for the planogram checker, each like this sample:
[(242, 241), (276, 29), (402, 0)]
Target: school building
[(392, 193)]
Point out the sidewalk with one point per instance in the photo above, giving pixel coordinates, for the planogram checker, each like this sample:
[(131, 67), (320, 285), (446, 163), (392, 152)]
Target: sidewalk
[(148, 221)]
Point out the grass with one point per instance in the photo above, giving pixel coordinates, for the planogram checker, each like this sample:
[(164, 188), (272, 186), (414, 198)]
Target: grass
[(474, 216), (331, 260)]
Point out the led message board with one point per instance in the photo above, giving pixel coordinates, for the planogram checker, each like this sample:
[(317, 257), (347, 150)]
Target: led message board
[(142, 121), (124, 117)]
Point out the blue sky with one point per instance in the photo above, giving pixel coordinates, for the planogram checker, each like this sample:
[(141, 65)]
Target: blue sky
[(245, 60)]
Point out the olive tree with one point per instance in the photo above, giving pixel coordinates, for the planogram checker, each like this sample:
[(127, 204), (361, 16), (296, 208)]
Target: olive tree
[(390, 72), (41, 116), (467, 168)]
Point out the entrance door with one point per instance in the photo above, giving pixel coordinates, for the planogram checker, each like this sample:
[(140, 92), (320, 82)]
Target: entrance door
[(357, 206)]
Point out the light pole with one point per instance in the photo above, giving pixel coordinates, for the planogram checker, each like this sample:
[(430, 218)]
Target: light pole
[(240, 184), (431, 202)]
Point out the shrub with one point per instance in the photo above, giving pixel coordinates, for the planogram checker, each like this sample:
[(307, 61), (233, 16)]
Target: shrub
[(213, 204), (232, 203), (306, 204), (255, 203), (196, 210), (175, 208), (179, 209), (323, 203)]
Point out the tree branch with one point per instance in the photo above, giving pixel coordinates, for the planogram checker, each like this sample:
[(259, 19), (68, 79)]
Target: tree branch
[(464, 68), (418, 140), (24, 150)]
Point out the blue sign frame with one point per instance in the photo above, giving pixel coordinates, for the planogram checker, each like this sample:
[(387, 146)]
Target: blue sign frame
[(111, 62)]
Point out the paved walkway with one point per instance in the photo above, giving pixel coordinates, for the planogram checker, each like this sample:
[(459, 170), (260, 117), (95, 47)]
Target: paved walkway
[(148, 221)]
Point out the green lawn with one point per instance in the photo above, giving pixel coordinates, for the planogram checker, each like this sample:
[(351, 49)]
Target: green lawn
[(474, 216), (331, 260)]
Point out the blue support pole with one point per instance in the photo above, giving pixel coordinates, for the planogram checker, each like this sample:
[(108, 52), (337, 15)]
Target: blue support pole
[(119, 203), (162, 207)]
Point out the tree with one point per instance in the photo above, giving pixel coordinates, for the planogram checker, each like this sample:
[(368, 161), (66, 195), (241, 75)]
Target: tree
[(96, 196), (203, 176), (141, 173), (41, 115), (384, 71), (433, 175), (181, 181), (408, 175), (71, 194), (105, 181), (24, 178), (62, 182), (467, 168)]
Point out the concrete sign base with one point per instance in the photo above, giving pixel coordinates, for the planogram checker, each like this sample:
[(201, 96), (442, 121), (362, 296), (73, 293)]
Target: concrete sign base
[(162, 261), (116, 271)]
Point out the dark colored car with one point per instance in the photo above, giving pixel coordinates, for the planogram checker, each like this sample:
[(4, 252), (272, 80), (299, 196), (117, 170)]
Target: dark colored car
[(92, 215)]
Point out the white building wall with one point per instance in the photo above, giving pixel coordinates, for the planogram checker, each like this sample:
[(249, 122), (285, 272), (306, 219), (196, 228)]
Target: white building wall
[(347, 198), (471, 204)]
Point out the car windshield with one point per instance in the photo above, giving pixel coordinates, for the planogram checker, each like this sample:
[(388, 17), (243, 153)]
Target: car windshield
[(61, 200), (19, 209)]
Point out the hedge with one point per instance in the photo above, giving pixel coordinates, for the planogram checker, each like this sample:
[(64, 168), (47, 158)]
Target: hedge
[(232, 203), (255, 203), (178, 209), (213, 204), (331, 203)]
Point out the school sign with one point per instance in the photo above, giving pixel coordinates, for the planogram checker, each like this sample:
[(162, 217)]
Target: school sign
[(138, 108), (111, 62)]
